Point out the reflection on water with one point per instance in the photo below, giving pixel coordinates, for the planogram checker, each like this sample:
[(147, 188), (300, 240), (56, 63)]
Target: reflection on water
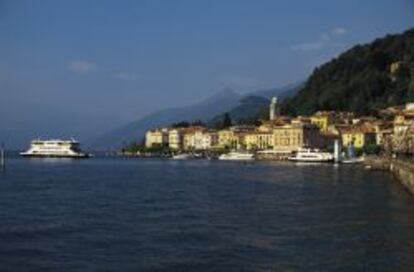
[(163, 215)]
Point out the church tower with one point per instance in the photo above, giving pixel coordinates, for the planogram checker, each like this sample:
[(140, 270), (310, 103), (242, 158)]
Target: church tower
[(273, 111)]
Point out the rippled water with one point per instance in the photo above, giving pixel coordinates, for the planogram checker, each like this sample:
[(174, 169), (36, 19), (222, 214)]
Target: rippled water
[(160, 215)]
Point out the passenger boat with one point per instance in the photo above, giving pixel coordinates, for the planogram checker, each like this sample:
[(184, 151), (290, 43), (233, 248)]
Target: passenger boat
[(237, 156), (182, 156), (311, 155), (55, 148)]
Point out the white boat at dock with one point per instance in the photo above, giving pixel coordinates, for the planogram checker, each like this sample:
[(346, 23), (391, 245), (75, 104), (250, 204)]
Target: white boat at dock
[(182, 156), (311, 155), (55, 148), (355, 160), (237, 156)]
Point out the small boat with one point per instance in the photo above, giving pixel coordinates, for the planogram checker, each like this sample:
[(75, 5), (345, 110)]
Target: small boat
[(56, 149), (311, 155), (350, 157), (354, 160), (237, 156), (182, 156)]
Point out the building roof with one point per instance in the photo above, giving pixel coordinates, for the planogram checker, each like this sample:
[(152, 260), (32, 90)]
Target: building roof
[(359, 128)]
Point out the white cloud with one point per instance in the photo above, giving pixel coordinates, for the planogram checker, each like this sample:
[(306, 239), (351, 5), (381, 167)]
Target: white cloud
[(81, 66), (127, 76), (325, 40), (339, 31)]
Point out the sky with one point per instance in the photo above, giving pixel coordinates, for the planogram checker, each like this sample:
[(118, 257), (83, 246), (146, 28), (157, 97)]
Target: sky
[(83, 67)]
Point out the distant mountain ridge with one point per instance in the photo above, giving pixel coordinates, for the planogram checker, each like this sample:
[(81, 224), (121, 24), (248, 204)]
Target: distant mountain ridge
[(255, 105), (134, 131), (210, 111), (363, 79)]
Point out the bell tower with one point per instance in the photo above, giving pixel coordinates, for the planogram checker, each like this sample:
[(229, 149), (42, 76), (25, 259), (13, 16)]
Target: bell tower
[(272, 109)]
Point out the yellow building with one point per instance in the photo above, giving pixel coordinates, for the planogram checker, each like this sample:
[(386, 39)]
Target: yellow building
[(192, 137), (358, 136), (258, 140), (156, 137), (293, 136), (226, 138), (175, 138), (323, 119)]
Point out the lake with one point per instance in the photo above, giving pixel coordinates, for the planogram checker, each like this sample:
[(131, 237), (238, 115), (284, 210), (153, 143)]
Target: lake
[(115, 214)]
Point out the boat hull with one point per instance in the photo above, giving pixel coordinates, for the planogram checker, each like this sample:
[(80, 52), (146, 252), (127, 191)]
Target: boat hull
[(234, 159), (80, 156), (310, 160), (353, 161)]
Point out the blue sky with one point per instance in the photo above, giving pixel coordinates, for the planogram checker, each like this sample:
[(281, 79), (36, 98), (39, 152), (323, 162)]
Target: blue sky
[(95, 65)]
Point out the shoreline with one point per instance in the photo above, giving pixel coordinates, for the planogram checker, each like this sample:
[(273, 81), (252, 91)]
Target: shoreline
[(402, 170)]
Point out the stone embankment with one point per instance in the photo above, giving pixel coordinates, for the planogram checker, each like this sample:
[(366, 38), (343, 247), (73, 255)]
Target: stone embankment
[(402, 169), (404, 172)]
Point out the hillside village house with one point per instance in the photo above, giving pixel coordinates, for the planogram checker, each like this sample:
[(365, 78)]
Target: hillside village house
[(323, 119)]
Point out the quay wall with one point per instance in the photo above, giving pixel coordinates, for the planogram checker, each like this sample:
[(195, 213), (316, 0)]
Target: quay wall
[(404, 172)]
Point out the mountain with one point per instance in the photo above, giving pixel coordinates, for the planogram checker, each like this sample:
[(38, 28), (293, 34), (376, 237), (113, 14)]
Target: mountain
[(249, 109), (255, 105), (204, 111), (281, 93), (363, 79)]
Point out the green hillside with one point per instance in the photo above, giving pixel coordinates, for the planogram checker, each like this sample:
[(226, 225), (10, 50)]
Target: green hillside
[(363, 79)]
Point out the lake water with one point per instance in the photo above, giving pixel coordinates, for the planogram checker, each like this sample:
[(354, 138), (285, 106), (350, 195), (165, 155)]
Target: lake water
[(162, 215)]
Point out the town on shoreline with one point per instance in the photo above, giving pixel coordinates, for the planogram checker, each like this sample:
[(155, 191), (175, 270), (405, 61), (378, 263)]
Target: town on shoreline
[(390, 131)]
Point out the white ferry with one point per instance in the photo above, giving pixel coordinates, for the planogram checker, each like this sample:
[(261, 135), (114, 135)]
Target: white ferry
[(55, 148), (311, 155), (237, 156)]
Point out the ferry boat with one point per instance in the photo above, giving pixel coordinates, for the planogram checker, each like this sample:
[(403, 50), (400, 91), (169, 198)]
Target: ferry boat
[(311, 155), (55, 148), (182, 156), (237, 156)]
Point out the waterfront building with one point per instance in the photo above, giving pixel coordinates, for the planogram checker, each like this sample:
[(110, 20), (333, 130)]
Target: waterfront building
[(175, 138), (268, 125), (210, 139), (258, 140), (192, 138), (293, 136), (403, 136), (226, 138), (156, 137), (358, 135)]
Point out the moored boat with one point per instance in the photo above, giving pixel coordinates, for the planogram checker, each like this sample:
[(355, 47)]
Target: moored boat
[(55, 148), (354, 160), (182, 156), (237, 156), (311, 155)]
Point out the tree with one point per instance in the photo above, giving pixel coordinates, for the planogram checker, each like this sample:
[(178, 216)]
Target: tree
[(226, 120)]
